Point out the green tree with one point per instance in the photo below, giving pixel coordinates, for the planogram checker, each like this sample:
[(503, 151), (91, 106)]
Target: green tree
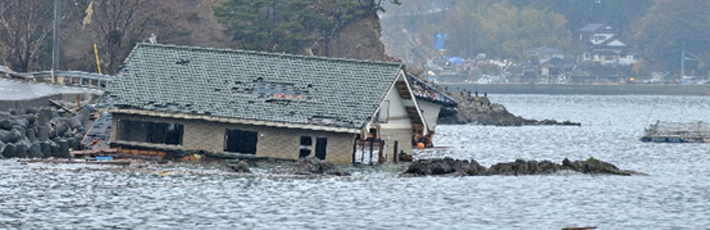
[(668, 27), (508, 31), (292, 26), (579, 13)]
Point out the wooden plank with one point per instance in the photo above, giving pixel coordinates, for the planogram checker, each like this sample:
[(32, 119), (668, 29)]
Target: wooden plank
[(69, 161)]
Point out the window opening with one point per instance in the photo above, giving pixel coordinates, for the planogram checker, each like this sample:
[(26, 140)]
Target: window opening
[(240, 141), (305, 147), (321, 145)]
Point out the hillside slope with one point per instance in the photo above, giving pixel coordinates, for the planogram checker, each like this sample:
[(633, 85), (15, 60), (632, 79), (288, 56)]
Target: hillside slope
[(193, 23)]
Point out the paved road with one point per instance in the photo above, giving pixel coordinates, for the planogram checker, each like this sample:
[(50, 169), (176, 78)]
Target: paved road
[(14, 90)]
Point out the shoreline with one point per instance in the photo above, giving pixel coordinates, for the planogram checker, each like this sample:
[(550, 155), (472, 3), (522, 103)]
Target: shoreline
[(558, 89)]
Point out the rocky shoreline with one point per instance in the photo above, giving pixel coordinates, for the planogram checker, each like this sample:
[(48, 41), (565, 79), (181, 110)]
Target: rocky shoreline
[(456, 167), (475, 109)]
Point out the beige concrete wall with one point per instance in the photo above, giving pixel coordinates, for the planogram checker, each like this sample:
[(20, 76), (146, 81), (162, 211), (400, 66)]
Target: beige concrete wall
[(397, 117), (272, 142), (403, 136), (431, 113)]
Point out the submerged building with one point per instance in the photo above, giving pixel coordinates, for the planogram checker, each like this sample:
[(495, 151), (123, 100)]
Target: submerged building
[(262, 104)]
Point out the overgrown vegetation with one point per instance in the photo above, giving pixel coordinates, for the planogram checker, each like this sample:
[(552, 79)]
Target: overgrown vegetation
[(292, 26)]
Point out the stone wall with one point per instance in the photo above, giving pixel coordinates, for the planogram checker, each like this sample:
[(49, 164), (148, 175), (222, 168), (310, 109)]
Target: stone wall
[(272, 142)]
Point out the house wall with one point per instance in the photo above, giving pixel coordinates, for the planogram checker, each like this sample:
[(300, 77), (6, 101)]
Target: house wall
[(395, 124), (273, 142), (627, 60), (398, 118), (430, 112), (403, 136), (398, 126)]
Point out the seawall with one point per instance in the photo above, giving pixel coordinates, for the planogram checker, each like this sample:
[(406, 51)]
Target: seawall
[(16, 94), (44, 100)]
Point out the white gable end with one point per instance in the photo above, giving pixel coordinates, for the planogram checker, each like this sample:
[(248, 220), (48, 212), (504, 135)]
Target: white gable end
[(616, 42)]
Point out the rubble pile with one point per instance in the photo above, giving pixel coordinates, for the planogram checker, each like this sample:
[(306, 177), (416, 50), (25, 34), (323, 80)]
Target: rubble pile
[(452, 167), (313, 166), (240, 167), (41, 133)]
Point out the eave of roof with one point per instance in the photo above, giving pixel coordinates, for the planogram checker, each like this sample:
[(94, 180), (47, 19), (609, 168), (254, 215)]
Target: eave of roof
[(184, 116)]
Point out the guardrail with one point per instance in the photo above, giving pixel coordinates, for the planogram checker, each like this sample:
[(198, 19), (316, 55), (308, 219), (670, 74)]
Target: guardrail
[(76, 78)]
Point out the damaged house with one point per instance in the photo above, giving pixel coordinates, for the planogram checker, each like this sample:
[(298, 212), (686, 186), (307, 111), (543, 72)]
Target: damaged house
[(262, 104), (433, 103)]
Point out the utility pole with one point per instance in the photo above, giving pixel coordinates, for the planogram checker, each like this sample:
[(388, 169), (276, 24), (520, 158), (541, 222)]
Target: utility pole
[(682, 62), (55, 41)]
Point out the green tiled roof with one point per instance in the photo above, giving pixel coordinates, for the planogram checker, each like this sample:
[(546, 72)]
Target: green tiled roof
[(252, 85)]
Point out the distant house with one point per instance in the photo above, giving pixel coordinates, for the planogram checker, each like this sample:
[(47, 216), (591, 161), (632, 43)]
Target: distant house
[(262, 104), (601, 44)]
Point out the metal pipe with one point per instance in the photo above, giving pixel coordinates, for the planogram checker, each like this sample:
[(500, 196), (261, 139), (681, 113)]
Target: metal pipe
[(55, 40)]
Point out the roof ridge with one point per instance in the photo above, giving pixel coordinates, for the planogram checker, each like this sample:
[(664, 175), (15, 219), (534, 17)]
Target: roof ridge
[(399, 64)]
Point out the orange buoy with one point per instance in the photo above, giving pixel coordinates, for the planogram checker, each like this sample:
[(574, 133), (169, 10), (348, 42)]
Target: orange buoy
[(420, 145)]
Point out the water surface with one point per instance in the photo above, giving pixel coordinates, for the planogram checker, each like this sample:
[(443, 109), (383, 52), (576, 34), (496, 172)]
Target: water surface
[(673, 196)]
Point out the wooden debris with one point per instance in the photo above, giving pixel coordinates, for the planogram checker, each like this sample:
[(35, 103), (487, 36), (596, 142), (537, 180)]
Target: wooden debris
[(70, 161)]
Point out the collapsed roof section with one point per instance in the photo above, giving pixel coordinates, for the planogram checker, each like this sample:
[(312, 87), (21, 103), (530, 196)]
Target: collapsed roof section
[(426, 92)]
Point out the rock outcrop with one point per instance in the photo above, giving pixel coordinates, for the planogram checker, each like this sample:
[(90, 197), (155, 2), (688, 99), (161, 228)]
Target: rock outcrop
[(445, 166), (594, 166), (314, 166), (522, 167), (478, 109), (452, 167)]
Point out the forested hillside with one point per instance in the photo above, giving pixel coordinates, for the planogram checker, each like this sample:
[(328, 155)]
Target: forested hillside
[(333, 28), (656, 29)]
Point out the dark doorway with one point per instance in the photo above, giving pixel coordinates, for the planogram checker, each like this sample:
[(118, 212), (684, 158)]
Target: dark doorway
[(240, 141), (305, 149), (321, 144)]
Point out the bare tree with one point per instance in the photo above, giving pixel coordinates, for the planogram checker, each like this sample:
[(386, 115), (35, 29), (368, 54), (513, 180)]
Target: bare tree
[(120, 24), (24, 27)]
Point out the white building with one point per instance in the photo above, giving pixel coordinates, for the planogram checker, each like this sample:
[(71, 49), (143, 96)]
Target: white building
[(601, 44)]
